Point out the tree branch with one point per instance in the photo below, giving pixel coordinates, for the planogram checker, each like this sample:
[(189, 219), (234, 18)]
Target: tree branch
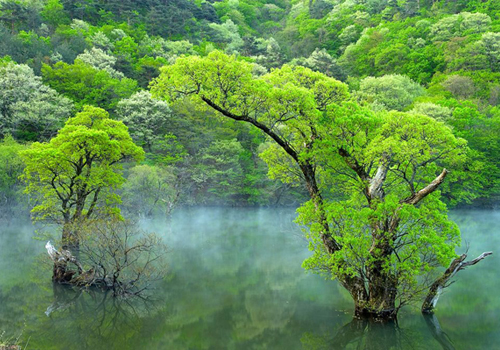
[(376, 183), (353, 164), (424, 192), (442, 282), (288, 149)]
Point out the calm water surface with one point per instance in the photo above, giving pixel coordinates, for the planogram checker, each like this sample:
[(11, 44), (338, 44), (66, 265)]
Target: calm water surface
[(236, 282)]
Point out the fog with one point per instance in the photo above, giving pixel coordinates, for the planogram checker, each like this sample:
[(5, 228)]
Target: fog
[(235, 281)]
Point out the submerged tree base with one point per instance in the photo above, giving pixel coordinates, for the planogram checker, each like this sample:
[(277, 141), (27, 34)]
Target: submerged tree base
[(62, 274), (373, 315), (112, 255)]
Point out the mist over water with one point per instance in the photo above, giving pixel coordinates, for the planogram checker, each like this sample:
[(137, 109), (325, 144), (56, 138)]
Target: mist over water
[(235, 282)]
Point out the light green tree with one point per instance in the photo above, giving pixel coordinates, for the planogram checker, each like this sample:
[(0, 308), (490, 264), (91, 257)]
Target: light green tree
[(53, 13), (86, 85), (459, 25), (11, 167), (349, 35), (273, 56), (98, 59), (160, 47), (227, 33), (322, 61), (432, 110), (73, 177), (100, 41), (388, 234), (491, 44)]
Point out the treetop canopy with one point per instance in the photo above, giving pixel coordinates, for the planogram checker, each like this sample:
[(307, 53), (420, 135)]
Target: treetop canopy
[(82, 160)]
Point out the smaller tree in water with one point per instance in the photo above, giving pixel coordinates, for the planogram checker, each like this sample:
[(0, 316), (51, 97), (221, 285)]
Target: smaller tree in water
[(72, 180), (375, 221), (72, 177)]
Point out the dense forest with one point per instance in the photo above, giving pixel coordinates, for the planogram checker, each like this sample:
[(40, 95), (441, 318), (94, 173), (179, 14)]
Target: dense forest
[(439, 58), (373, 116)]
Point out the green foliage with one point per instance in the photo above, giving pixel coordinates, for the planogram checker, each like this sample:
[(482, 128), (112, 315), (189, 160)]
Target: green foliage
[(227, 33), (413, 148), (75, 174), (11, 167), (450, 47), (439, 60), (87, 85), (460, 25), (98, 59), (432, 110), (322, 61), (288, 98), (150, 190), (145, 117), (426, 240), (386, 165), (53, 13), (220, 171)]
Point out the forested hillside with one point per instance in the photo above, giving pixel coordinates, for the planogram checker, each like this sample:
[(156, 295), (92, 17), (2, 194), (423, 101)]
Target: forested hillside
[(436, 58)]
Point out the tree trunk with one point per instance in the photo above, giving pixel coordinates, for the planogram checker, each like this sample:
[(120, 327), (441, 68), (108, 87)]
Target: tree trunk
[(61, 273), (70, 239), (379, 304)]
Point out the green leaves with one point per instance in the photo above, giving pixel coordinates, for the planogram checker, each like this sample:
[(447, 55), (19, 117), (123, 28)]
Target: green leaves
[(383, 169), (86, 85), (76, 172), (287, 101), (418, 140), (11, 166), (146, 118)]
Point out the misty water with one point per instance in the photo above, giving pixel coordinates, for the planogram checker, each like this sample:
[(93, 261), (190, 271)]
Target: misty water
[(235, 282)]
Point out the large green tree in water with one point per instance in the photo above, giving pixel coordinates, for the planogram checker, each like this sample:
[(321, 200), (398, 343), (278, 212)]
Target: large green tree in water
[(375, 220), (72, 177)]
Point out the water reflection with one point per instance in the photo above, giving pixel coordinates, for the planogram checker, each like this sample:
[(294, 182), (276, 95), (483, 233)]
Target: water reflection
[(362, 334), (438, 334), (91, 319), (64, 297), (235, 282)]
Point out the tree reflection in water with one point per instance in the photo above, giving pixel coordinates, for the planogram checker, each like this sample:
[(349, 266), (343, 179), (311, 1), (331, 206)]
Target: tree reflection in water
[(97, 316), (362, 334), (436, 331)]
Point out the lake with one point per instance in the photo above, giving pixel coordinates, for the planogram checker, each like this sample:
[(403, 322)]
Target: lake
[(235, 282)]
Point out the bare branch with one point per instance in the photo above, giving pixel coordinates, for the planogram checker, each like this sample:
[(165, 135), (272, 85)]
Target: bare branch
[(442, 282), (424, 192)]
